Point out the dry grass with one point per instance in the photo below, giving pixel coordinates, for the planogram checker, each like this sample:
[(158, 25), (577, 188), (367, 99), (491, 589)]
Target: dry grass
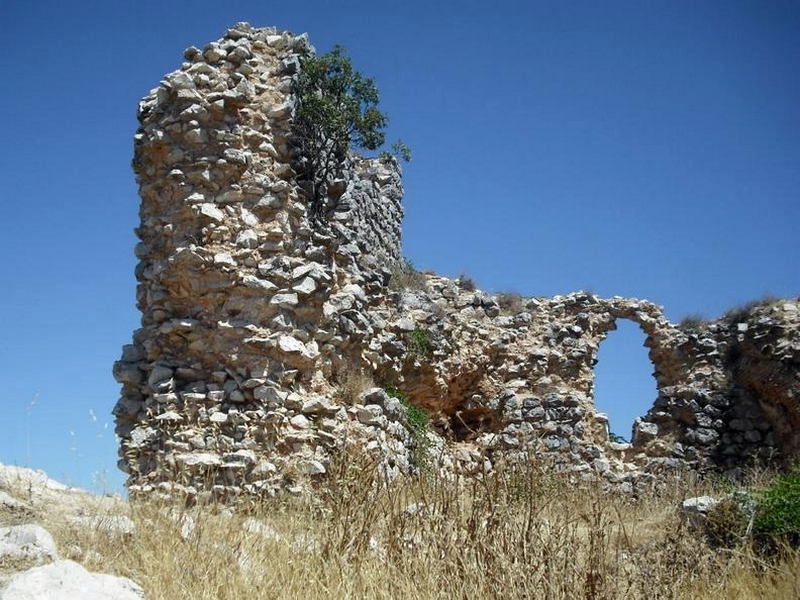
[(350, 384), (518, 533)]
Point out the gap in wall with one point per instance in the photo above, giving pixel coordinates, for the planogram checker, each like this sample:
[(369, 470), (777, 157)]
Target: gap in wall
[(624, 386)]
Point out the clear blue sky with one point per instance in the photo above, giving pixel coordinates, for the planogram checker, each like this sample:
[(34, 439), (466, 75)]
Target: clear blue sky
[(647, 149)]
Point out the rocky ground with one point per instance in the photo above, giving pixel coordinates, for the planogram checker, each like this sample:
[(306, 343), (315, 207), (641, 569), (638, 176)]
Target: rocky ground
[(31, 563)]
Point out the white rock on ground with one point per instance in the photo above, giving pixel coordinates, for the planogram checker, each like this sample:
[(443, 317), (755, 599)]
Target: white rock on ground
[(67, 580), (27, 542), (696, 509)]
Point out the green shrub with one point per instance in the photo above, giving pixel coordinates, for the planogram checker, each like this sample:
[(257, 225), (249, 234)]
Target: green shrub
[(418, 342), (418, 424), (777, 516), (769, 518), (337, 110)]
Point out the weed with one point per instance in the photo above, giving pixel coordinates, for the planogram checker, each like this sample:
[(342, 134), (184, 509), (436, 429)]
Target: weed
[(742, 312), (351, 383), (465, 282), (511, 303), (406, 277), (419, 342), (691, 322), (519, 531), (727, 523)]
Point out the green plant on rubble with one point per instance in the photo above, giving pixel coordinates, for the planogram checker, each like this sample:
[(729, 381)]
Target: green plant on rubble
[(616, 438), (336, 111), (418, 342), (418, 423)]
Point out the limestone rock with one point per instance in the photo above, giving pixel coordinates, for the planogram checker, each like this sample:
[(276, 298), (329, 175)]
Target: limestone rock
[(67, 580), (30, 542)]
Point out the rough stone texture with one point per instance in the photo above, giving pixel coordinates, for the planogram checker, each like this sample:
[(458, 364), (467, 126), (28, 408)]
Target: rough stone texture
[(252, 320)]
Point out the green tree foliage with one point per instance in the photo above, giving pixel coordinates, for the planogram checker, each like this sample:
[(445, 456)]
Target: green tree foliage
[(337, 109)]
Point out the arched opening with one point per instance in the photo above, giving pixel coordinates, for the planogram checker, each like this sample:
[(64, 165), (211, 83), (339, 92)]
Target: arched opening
[(624, 386)]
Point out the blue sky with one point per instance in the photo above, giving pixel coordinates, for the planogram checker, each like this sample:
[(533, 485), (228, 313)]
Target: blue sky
[(647, 149)]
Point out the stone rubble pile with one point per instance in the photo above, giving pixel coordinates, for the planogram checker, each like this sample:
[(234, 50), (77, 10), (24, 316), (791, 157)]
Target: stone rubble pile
[(254, 320)]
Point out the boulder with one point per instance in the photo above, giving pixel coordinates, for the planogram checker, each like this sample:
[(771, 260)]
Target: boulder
[(67, 580)]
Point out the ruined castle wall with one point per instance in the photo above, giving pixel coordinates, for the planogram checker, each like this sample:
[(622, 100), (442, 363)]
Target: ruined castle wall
[(253, 319), (242, 302), (521, 382)]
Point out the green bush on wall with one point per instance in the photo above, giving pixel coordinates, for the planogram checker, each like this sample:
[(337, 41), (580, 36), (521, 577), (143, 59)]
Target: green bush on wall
[(419, 342), (418, 424)]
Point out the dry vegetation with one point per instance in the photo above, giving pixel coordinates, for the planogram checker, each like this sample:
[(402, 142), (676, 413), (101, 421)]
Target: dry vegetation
[(515, 534)]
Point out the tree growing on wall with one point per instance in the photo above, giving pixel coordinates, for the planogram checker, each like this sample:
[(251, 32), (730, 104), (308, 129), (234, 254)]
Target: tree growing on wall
[(337, 110)]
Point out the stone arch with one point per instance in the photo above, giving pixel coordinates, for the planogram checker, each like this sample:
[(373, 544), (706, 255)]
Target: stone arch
[(623, 386), (650, 319)]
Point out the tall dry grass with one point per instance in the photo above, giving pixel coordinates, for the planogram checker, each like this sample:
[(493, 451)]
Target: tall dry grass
[(516, 533)]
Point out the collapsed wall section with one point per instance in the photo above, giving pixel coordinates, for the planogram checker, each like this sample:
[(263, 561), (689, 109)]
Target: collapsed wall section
[(514, 378)]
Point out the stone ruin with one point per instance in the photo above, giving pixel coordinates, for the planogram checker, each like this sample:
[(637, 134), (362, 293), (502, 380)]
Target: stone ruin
[(257, 327)]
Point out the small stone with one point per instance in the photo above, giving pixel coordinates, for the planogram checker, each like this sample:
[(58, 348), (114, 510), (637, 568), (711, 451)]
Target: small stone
[(405, 325), (300, 422), (305, 287), (202, 459), (371, 414), (315, 406), (212, 212), (224, 259), (252, 281), (196, 136), (285, 300), (313, 467), (247, 239), (269, 394), (170, 417), (127, 373), (280, 112), (696, 509)]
